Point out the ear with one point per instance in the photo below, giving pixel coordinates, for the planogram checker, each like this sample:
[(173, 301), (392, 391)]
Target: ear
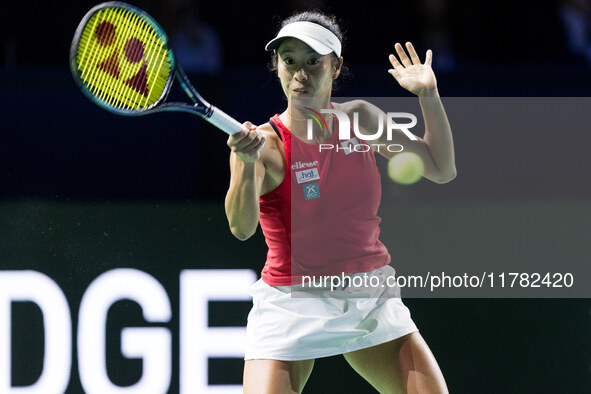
[(338, 68)]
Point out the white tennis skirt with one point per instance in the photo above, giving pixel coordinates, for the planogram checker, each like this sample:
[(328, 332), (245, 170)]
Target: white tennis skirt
[(303, 322)]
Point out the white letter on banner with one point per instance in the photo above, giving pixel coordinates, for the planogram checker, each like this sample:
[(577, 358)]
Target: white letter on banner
[(198, 340), (152, 344), (32, 286)]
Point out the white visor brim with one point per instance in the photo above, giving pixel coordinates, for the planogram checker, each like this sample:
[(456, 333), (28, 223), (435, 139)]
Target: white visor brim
[(317, 37)]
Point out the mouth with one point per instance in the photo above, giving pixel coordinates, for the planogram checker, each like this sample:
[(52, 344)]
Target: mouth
[(300, 91)]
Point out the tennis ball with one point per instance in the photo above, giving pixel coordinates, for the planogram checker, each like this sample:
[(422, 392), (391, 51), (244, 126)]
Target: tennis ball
[(406, 168)]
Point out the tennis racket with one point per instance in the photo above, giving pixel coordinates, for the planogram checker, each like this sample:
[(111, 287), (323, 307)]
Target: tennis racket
[(121, 59)]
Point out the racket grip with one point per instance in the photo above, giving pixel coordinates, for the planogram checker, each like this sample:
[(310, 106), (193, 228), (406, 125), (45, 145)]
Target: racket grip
[(223, 121)]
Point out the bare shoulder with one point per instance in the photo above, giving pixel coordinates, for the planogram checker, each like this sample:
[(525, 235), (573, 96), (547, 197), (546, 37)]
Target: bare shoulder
[(272, 157), (267, 130), (273, 141)]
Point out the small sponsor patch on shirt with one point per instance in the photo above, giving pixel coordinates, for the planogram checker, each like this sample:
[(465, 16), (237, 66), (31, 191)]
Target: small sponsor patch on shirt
[(350, 146), (311, 191), (307, 175)]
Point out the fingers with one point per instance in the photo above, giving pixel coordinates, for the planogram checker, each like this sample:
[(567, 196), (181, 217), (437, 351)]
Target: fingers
[(429, 57), (402, 55), (248, 125), (413, 54), (395, 63), (394, 71), (405, 61), (244, 137), (248, 141)]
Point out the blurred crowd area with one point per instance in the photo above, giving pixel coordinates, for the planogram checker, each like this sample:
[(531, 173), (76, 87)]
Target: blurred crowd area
[(213, 34)]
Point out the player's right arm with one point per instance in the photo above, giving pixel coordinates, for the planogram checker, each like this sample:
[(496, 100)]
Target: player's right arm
[(246, 181)]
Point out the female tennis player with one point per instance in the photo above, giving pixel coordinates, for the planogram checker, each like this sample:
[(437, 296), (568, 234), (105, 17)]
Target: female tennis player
[(316, 222)]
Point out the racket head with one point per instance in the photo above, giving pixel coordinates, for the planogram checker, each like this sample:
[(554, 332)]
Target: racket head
[(121, 59)]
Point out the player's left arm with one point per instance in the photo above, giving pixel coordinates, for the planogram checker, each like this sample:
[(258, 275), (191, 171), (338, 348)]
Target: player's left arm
[(419, 79), (436, 146)]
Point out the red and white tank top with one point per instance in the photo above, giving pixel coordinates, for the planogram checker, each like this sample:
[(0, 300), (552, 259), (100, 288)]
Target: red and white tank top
[(322, 219)]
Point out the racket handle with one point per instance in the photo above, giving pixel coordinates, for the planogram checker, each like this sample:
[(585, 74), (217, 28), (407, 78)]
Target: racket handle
[(223, 121)]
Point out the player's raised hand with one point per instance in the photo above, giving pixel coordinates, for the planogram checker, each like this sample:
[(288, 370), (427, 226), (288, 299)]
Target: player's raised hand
[(247, 143), (411, 74)]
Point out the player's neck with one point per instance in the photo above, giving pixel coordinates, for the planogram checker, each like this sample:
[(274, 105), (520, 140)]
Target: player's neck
[(301, 115), (295, 105)]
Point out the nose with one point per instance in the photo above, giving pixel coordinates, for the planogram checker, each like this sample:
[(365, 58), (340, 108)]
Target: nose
[(301, 75)]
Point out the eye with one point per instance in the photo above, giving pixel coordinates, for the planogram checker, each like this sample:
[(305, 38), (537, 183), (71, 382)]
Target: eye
[(313, 61), (289, 61)]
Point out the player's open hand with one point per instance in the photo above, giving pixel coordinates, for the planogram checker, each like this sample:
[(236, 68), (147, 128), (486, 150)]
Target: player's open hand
[(410, 73), (248, 143)]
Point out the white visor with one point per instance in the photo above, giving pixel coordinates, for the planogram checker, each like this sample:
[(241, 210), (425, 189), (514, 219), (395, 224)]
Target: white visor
[(317, 37)]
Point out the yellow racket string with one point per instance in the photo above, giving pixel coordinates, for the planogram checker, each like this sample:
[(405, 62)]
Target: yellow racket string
[(125, 72), (122, 59), (130, 28), (99, 56), (111, 86), (132, 25), (150, 59), (157, 64), (92, 73)]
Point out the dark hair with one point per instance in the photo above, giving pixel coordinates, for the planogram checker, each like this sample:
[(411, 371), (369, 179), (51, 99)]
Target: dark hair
[(324, 20)]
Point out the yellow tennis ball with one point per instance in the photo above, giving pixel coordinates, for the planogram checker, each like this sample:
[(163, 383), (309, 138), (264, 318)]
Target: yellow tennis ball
[(406, 168)]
